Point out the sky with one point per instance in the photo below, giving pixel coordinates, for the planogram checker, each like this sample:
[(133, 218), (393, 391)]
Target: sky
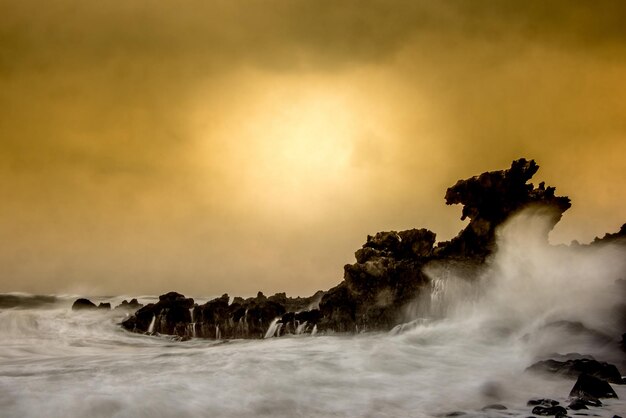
[(220, 146)]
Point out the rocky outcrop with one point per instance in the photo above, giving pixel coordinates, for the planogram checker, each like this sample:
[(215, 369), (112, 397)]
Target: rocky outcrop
[(389, 271), (382, 285), (177, 315), (489, 199), (170, 315)]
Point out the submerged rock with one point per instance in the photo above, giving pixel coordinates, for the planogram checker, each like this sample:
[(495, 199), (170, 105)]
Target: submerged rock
[(549, 410)]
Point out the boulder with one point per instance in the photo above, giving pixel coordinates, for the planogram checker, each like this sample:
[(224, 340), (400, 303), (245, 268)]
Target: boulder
[(104, 305), (588, 386), (83, 303)]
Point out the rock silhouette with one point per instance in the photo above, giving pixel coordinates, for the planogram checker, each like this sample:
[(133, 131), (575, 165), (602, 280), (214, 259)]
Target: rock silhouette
[(379, 287)]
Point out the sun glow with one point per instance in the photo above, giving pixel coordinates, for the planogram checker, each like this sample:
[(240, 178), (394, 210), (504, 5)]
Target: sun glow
[(289, 148)]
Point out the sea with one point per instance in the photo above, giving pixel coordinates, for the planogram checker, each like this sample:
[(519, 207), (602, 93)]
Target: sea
[(471, 352)]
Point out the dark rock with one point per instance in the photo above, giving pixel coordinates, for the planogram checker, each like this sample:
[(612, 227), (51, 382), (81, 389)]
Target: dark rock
[(577, 404), (584, 402), (83, 303), (381, 287), (591, 387), (490, 198), (103, 305), (542, 402), (377, 290), (171, 316), (177, 315), (549, 410), (615, 238), (573, 368), (133, 304), (495, 406)]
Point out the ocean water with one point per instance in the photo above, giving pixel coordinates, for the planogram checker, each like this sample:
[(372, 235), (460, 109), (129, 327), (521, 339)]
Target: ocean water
[(472, 350)]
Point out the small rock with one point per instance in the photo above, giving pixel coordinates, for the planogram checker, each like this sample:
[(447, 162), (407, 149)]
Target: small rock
[(83, 303), (542, 402), (496, 406), (577, 404), (549, 410), (106, 306)]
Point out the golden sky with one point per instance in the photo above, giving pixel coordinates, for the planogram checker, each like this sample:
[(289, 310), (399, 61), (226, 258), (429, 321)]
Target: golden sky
[(236, 146)]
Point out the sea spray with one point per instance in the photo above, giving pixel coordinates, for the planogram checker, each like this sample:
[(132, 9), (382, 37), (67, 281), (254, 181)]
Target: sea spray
[(152, 323), (271, 330), (482, 329)]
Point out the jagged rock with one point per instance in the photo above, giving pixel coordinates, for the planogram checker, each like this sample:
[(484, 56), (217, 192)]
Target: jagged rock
[(592, 387), (489, 199), (104, 305), (615, 238), (133, 304), (377, 290), (177, 315), (578, 403), (83, 303), (388, 273), (573, 368)]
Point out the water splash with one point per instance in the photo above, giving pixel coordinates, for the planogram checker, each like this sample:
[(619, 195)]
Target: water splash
[(271, 330), (151, 327), (300, 328)]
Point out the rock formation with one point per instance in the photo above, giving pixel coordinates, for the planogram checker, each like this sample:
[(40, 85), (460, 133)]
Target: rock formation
[(379, 288)]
